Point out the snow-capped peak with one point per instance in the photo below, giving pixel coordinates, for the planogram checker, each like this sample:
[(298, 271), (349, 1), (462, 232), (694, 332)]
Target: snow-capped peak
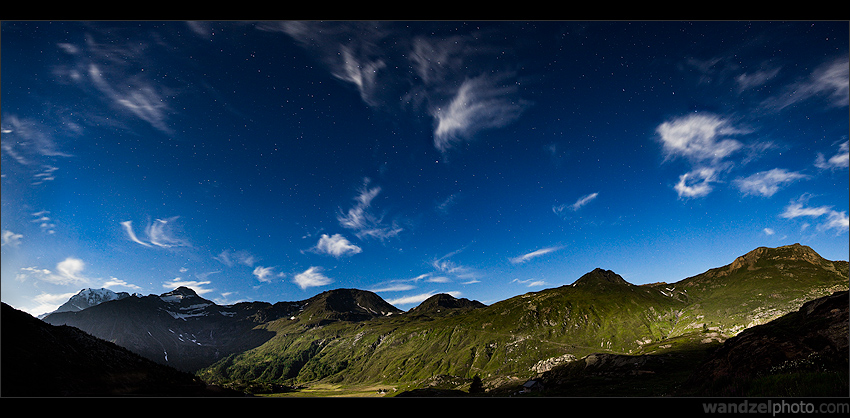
[(89, 297)]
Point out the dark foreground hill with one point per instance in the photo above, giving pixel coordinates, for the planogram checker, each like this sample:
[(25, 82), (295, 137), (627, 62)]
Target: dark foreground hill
[(43, 360), (803, 353)]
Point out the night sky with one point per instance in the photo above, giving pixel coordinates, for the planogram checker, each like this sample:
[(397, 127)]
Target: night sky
[(272, 161)]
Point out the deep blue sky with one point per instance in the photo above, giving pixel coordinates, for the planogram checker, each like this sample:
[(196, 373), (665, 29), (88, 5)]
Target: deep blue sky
[(273, 161)]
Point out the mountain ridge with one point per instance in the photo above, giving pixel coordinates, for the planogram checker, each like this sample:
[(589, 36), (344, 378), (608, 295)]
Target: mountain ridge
[(350, 336), (445, 301), (519, 334)]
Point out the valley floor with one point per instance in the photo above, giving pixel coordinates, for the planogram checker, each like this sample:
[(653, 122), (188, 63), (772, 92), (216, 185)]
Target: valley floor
[(327, 390)]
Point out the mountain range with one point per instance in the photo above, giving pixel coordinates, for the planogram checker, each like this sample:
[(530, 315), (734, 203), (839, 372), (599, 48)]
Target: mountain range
[(350, 337)]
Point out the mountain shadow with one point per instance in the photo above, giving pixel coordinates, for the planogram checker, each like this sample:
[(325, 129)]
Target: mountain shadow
[(803, 353), (43, 360)]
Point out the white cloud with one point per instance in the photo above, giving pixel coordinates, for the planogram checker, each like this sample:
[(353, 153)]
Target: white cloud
[(697, 183), (525, 257), (70, 269), (767, 183), (838, 161), (311, 277), (11, 239), (699, 138), (705, 141), (769, 231), (337, 246), (68, 272)]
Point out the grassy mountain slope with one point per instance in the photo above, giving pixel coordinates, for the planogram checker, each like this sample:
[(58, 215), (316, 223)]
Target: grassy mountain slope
[(512, 340), (757, 287)]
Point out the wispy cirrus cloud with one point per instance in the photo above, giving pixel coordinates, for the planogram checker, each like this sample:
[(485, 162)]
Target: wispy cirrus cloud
[(161, 233), (829, 81), (839, 160), (116, 282), (457, 79), (767, 183), (118, 71), (35, 145), (561, 210), (582, 201), (230, 258), (534, 254), (530, 282), (44, 222), (747, 81), (362, 220), (393, 287), (136, 95), (835, 220), (265, 274), (199, 286), (478, 104), (418, 298), (447, 270), (28, 140)]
